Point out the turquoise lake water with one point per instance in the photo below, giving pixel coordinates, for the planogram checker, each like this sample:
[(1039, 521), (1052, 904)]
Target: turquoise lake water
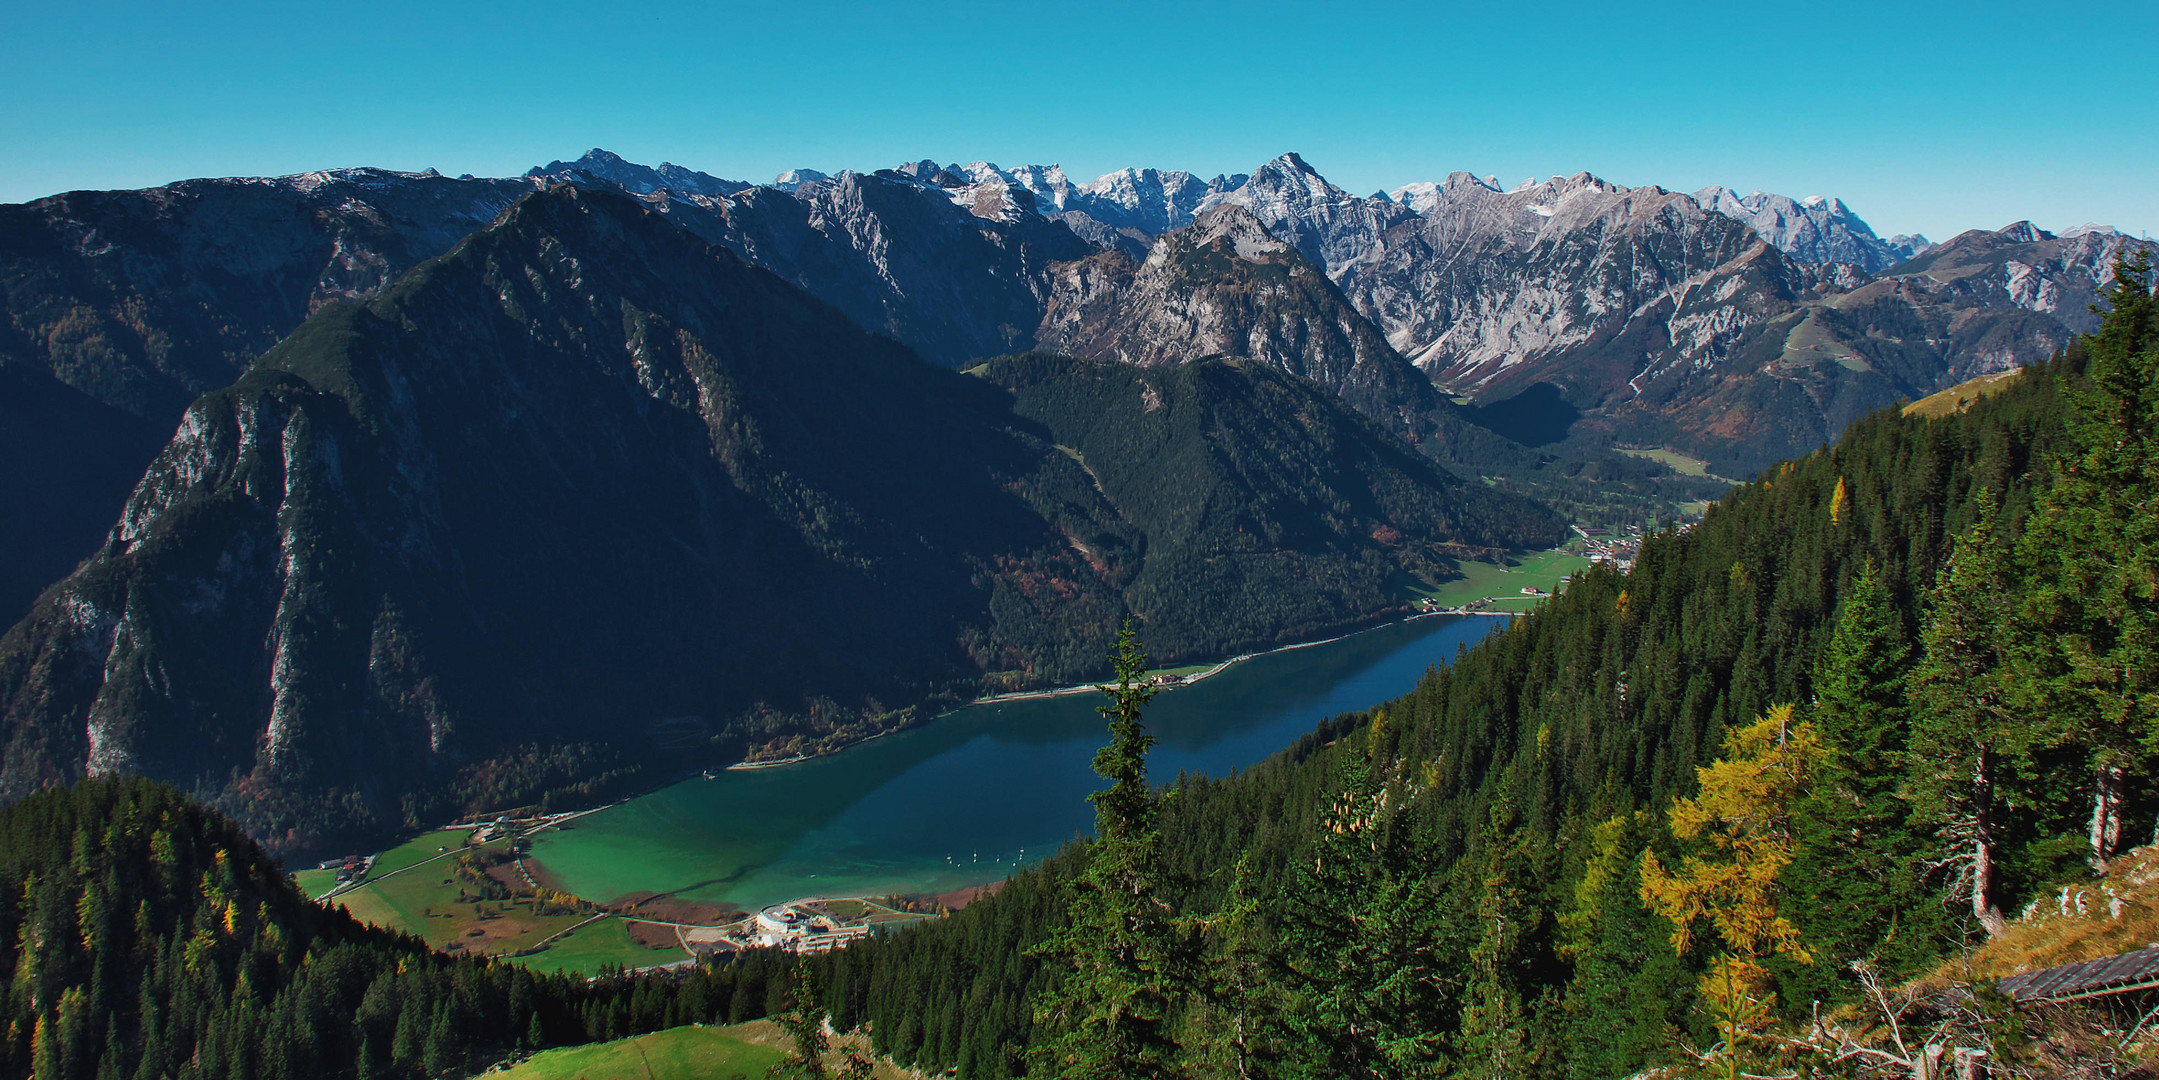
[(974, 794)]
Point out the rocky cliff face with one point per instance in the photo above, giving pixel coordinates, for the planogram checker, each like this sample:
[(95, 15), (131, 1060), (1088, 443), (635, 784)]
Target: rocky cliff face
[(1225, 286), (584, 481), (1334, 229), (1740, 329), (1492, 291), (123, 306), (2025, 268), (956, 272), (1813, 230)]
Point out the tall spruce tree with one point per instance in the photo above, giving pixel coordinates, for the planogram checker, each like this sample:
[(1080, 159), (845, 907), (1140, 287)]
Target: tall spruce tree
[(2091, 554), (1493, 1043), (1358, 945), (1236, 1031), (1858, 890), (1125, 956), (1968, 741)]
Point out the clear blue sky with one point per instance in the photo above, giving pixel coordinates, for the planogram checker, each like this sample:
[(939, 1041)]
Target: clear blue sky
[(1924, 117)]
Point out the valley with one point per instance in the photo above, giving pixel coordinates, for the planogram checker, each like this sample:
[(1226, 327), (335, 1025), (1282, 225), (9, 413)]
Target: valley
[(976, 795)]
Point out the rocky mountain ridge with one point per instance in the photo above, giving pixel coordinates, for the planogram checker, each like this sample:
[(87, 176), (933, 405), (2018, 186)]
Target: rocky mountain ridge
[(1226, 286), (123, 306), (1814, 229)]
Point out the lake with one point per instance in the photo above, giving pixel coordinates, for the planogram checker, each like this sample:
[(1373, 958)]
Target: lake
[(973, 794)]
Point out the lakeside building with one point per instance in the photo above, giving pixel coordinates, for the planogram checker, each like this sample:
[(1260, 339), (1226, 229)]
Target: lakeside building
[(786, 926)]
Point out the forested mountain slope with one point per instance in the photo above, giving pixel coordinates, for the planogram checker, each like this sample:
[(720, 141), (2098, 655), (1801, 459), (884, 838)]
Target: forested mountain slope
[(1492, 874), (1249, 484)]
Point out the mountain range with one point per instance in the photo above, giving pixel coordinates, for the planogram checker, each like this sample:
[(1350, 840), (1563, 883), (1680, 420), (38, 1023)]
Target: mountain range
[(462, 470)]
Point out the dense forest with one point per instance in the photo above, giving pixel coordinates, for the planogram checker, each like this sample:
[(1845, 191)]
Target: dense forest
[(142, 935), (1880, 697)]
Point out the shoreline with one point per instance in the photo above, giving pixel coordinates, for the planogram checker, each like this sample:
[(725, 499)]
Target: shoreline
[(1091, 688), (1197, 676), (553, 820)]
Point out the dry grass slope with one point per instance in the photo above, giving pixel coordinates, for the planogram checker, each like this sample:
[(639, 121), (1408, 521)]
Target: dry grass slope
[(1960, 397)]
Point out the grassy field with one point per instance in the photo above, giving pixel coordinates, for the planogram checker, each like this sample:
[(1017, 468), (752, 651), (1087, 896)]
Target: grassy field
[(696, 1052), (744, 1050), (425, 903), (1811, 343), (848, 910), (315, 882), (423, 900), (591, 947), (1678, 462), (1184, 670), (1503, 584), (418, 850), (406, 901)]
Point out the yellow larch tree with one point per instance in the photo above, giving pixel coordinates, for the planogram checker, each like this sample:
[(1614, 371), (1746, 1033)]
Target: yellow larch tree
[(1739, 827)]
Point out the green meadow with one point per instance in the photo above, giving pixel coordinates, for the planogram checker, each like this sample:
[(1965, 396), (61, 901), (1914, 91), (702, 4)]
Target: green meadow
[(1545, 570), (693, 1052)]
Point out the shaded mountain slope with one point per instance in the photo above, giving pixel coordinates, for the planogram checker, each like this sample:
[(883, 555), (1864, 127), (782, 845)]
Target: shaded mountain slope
[(123, 306), (956, 272), (1249, 484), (135, 302)]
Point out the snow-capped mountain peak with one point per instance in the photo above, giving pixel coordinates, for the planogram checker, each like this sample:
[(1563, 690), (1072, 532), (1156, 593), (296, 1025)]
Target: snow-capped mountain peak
[(2089, 228), (1815, 229), (608, 166), (792, 180), (1420, 196)]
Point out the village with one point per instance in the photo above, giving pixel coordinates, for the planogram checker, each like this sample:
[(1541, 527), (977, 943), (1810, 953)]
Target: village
[(473, 887), (1609, 548)]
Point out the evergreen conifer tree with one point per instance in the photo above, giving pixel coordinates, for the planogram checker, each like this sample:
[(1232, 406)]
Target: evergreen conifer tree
[(1493, 1040), (1854, 873), (1237, 1030), (1359, 948), (2091, 555), (804, 1023), (1125, 963), (1967, 740)]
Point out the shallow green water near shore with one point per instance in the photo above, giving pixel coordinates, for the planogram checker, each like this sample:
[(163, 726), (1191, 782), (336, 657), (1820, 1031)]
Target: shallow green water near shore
[(972, 795)]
